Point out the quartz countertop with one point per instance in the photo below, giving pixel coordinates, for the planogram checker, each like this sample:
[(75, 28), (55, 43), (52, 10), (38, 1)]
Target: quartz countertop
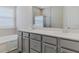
[(54, 32)]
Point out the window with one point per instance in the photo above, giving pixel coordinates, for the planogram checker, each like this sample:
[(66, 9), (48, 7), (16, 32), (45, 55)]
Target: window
[(7, 17)]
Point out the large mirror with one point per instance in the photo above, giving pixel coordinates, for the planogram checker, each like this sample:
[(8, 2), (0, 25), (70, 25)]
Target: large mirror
[(56, 16)]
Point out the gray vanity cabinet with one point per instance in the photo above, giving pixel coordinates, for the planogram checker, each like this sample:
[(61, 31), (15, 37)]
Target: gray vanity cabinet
[(69, 46), (19, 33), (38, 43), (20, 43), (49, 44), (25, 42), (47, 48), (25, 45), (35, 43)]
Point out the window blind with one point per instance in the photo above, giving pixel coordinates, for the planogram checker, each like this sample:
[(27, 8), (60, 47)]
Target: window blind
[(7, 18)]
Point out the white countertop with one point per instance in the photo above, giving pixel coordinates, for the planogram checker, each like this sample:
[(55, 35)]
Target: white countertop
[(54, 32)]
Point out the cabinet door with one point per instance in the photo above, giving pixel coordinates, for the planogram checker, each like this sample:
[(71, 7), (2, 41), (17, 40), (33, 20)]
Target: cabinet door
[(36, 45), (49, 48), (20, 44), (25, 45)]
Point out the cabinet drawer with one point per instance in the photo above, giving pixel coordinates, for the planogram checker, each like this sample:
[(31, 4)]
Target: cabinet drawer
[(19, 33), (66, 51), (35, 45), (49, 48), (32, 51), (49, 40), (25, 34), (35, 36), (70, 44)]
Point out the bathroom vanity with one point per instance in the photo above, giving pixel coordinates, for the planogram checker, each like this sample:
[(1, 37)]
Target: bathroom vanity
[(47, 41)]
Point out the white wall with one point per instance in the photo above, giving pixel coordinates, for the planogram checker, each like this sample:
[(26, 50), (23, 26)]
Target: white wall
[(54, 16), (71, 16), (57, 16), (24, 17)]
